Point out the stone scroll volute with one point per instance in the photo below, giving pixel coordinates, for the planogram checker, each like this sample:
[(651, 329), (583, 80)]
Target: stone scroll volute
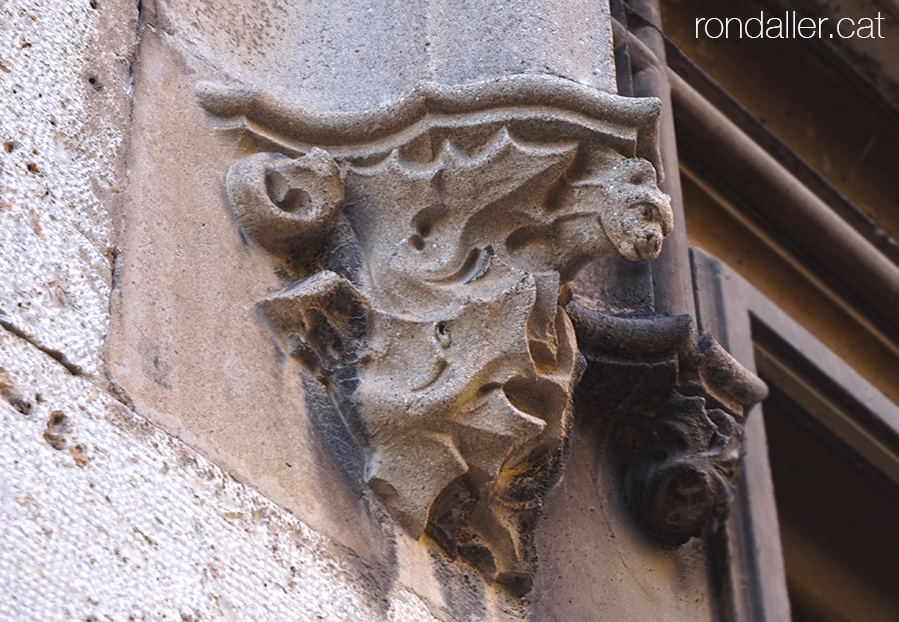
[(431, 245)]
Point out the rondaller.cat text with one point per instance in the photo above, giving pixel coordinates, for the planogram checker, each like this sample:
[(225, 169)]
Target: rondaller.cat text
[(789, 27)]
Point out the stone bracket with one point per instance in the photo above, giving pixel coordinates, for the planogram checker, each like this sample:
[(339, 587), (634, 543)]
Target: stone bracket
[(430, 245), (677, 403)]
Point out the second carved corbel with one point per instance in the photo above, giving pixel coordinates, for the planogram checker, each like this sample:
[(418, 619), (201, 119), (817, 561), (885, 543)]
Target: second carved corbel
[(676, 404)]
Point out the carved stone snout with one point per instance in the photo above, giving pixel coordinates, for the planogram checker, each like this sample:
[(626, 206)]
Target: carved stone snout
[(643, 217), (616, 209), (677, 405)]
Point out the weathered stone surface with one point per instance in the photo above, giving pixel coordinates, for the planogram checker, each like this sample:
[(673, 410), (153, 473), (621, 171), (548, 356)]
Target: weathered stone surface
[(676, 405), (65, 99), (104, 516), (186, 344), (476, 41), (332, 55), (429, 255), (597, 563)]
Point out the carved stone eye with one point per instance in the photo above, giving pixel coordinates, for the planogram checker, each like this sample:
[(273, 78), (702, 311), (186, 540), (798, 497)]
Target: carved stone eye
[(442, 332)]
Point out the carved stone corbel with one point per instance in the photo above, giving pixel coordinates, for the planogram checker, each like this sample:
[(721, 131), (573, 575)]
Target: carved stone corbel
[(430, 245), (677, 404)]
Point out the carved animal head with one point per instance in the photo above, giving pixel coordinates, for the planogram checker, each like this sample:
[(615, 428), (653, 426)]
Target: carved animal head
[(642, 217)]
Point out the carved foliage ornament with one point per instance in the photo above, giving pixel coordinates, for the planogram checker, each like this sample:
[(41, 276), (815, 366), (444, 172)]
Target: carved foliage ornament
[(431, 244), (676, 404)]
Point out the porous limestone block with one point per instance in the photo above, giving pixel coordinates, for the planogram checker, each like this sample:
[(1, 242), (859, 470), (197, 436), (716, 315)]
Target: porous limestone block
[(65, 89), (105, 517)]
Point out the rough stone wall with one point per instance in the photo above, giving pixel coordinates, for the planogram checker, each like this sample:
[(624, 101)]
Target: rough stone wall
[(102, 515), (64, 114), (105, 517)]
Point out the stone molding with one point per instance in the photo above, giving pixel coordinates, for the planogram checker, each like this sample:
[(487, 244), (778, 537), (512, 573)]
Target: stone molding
[(430, 245), (630, 123)]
